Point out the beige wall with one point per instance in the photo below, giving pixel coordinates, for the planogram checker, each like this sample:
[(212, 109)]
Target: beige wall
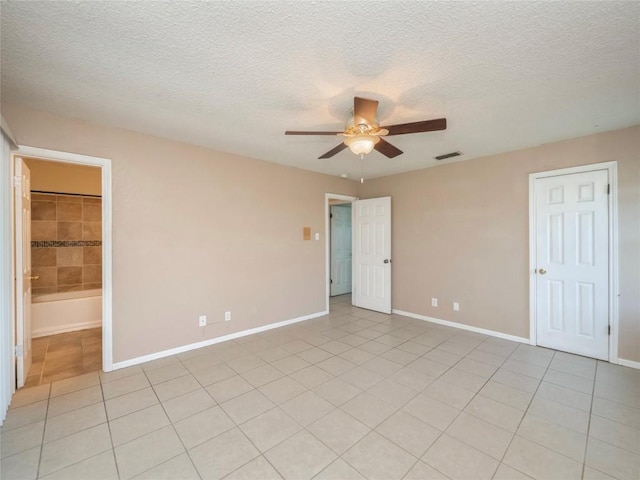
[(201, 232), (64, 178), (197, 231), (460, 233)]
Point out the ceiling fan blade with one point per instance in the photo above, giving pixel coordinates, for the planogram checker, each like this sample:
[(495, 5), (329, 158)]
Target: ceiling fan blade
[(417, 127), (387, 149), (289, 132), (364, 111), (333, 151)]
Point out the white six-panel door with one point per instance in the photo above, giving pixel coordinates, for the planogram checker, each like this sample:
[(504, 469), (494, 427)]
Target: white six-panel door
[(372, 254), (341, 245), (572, 263)]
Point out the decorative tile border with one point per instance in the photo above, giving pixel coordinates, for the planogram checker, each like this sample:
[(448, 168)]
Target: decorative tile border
[(65, 243)]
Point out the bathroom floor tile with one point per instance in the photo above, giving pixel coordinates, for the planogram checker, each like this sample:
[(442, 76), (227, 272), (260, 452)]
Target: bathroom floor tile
[(65, 356)]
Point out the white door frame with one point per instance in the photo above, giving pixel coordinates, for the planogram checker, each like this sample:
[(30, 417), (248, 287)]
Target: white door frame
[(612, 168), (107, 287), (327, 241)]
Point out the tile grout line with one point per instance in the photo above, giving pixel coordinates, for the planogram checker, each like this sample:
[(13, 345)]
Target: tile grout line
[(44, 430), (186, 450), (463, 409), (515, 433), (586, 443)]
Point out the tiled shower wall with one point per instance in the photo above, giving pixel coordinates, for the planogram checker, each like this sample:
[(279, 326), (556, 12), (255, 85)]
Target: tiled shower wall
[(66, 242)]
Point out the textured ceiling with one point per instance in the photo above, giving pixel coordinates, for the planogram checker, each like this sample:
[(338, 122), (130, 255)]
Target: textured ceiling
[(235, 75)]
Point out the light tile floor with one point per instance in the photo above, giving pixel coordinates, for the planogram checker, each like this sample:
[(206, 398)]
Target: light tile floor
[(351, 395)]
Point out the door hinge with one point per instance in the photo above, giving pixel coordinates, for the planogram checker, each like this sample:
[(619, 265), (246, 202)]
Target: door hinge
[(17, 181), (331, 280), (331, 215), (609, 330), (608, 188), (19, 350)]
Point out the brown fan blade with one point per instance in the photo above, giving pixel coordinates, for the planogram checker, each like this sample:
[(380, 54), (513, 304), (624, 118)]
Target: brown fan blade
[(333, 151), (417, 127), (364, 111), (289, 132), (387, 149)]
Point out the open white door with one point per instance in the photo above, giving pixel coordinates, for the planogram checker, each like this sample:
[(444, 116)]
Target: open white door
[(372, 254), (341, 246), (23, 271), (572, 265)]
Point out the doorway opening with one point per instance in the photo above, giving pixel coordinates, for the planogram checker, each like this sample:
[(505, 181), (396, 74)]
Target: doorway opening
[(63, 265), (339, 233), (340, 246)]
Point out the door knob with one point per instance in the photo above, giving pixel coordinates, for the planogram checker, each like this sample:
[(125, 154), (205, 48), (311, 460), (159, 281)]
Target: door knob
[(542, 271), (35, 277), (386, 260)]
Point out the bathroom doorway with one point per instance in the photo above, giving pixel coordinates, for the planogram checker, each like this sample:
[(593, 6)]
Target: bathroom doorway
[(63, 322), (331, 266), (340, 249)]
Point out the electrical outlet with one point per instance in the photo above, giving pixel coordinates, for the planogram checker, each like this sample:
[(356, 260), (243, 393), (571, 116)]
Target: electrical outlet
[(202, 320), (456, 307), (434, 302), (227, 316)]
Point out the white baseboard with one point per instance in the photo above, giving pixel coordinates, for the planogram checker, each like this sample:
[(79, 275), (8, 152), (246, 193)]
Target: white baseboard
[(213, 341), (462, 326), (628, 363), (72, 327)]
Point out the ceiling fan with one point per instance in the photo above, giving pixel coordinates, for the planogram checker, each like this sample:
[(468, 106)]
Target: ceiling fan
[(363, 133)]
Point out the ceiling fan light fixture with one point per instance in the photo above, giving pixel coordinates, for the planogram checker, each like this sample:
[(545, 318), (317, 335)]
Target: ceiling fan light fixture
[(361, 144)]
